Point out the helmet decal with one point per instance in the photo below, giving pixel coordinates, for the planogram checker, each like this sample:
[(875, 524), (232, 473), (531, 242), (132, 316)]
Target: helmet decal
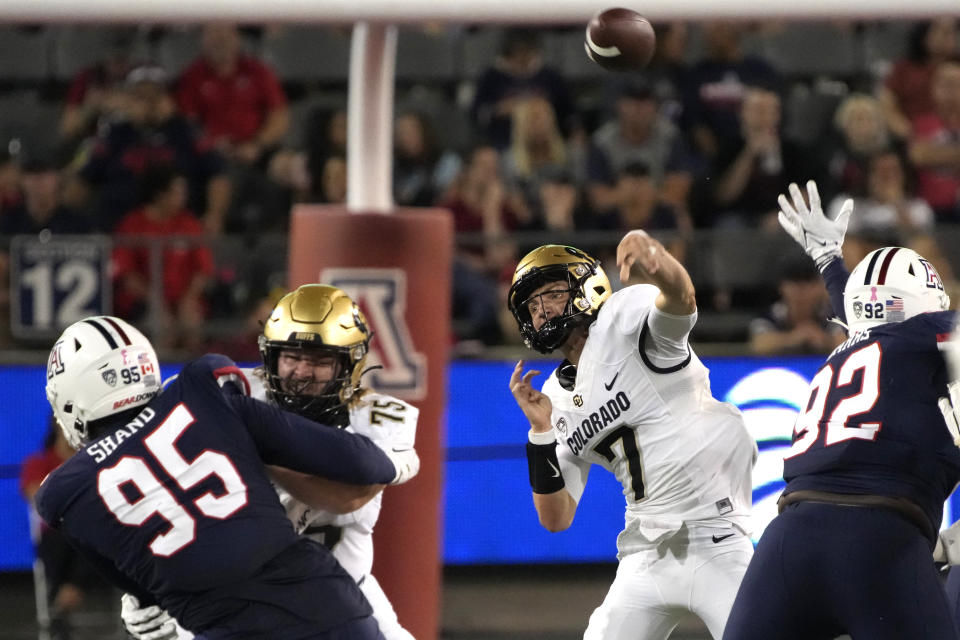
[(892, 284)]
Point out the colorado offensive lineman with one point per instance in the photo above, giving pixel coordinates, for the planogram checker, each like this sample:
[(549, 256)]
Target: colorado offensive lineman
[(314, 348), (633, 398)]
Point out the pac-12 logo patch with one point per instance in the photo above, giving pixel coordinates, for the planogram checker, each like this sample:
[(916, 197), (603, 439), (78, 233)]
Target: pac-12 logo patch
[(110, 377), (382, 296), (858, 308), (562, 426)]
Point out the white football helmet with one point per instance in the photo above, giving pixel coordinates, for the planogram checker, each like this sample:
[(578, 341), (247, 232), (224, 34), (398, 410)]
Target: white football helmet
[(890, 285), (98, 367)]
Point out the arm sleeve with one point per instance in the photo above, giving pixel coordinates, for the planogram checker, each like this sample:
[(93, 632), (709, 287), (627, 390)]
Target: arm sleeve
[(291, 441), (670, 332), (835, 277), (574, 471)]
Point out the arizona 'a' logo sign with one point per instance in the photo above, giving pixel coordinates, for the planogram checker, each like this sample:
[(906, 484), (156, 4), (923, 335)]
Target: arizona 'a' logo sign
[(382, 296)]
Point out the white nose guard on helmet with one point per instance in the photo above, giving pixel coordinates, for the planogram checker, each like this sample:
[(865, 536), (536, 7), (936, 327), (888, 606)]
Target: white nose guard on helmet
[(891, 285), (98, 367)]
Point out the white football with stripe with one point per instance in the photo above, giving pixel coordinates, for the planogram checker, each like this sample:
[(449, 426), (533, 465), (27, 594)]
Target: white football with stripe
[(620, 40)]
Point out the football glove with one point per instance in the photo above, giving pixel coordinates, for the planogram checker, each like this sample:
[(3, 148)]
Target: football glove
[(146, 623), (951, 353), (819, 236), (948, 545), (950, 408), (406, 462), (950, 404)]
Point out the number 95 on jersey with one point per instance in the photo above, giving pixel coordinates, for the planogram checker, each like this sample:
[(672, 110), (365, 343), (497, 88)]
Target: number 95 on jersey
[(56, 281)]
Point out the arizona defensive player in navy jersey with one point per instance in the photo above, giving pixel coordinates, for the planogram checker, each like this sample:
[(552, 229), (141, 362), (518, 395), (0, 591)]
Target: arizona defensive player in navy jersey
[(871, 464), (170, 498)]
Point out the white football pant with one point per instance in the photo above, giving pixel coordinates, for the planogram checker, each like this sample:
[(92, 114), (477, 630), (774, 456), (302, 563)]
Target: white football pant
[(655, 587), (383, 610)]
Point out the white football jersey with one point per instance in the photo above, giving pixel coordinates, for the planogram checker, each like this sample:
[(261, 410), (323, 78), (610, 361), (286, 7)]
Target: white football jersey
[(388, 422), (641, 408)]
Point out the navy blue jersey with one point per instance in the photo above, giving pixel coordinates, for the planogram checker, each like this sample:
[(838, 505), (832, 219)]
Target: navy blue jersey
[(177, 508), (872, 425)]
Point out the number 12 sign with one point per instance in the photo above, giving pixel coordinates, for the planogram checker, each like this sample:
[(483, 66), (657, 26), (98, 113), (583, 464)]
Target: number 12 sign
[(56, 281)]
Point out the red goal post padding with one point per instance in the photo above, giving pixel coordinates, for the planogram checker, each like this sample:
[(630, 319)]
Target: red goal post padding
[(398, 269)]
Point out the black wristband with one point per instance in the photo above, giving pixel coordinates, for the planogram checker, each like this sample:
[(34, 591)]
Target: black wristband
[(545, 476)]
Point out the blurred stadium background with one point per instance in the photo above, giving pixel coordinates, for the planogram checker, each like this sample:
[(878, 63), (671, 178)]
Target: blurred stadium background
[(543, 166)]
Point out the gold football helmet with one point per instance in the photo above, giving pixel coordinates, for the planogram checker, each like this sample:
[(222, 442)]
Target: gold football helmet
[(587, 283), (321, 320)]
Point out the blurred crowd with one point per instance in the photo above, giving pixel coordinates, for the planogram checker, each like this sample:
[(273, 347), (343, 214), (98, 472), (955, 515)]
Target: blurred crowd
[(522, 152)]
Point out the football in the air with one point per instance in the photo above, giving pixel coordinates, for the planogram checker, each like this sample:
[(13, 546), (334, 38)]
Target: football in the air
[(620, 40)]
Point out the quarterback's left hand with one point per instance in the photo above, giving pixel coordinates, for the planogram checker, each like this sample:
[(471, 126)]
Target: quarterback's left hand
[(819, 236), (146, 623)]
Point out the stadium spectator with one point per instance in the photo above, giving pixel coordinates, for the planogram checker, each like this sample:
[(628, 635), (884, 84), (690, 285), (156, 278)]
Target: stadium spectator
[(906, 91), (891, 214), (753, 168), (42, 207), (888, 214), (69, 577), (935, 146), (325, 135), (863, 132), (537, 147), (10, 175), (639, 132), (639, 207), (422, 169), (668, 70), (240, 106), (235, 98), (152, 132), (560, 207), (333, 180), (186, 267), (799, 321), (482, 211), (96, 92), (518, 73), (33, 204), (717, 85)]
